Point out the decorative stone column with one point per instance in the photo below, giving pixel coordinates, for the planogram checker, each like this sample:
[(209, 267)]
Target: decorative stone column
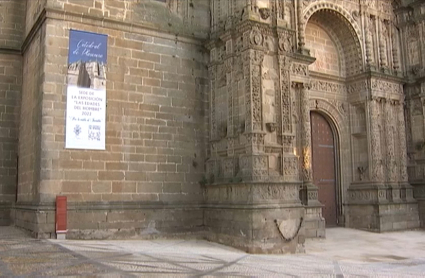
[(306, 152), (390, 134), (255, 136), (309, 193), (256, 58), (368, 39), (406, 190), (289, 160), (395, 46), (301, 34), (382, 43), (376, 169)]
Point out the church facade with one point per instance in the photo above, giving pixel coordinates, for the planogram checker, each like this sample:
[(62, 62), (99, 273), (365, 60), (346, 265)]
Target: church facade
[(253, 123)]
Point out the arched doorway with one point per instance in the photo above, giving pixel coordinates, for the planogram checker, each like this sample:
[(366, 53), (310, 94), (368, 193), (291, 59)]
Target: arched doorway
[(324, 166)]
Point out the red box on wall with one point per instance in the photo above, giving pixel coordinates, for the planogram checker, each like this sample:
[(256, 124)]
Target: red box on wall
[(61, 214)]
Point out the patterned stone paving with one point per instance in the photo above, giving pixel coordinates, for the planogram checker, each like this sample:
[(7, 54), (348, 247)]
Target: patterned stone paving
[(345, 253)]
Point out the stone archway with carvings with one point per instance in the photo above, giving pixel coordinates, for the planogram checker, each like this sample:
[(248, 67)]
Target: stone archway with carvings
[(342, 25), (314, 6)]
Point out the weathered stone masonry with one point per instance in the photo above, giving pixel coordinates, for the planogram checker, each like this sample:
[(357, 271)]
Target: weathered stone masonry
[(209, 129)]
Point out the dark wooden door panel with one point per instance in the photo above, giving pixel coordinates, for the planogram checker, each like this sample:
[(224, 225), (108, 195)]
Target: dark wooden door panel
[(323, 148)]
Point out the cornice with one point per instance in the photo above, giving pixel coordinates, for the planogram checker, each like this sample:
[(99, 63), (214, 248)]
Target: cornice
[(138, 28), (378, 75), (246, 25)]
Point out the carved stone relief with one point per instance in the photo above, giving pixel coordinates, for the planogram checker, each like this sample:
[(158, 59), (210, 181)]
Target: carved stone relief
[(270, 95), (383, 43), (290, 168), (257, 58), (370, 31), (299, 69), (413, 45), (275, 192), (288, 143), (385, 86), (285, 92), (402, 142), (286, 41), (391, 166), (364, 196), (357, 87), (326, 86), (375, 137)]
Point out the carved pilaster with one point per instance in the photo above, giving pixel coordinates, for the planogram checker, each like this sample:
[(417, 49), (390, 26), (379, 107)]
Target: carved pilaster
[(376, 168), (307, 173), (402, 143), (407, 190), (395, 46), (369, 39), (213, 121), (253, 89), (383, 43), (301, 35), (309, 192), (230, 97), (284, 64), (390, 145)]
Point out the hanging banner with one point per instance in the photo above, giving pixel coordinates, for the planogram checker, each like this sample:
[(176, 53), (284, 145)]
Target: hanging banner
[(86, 92)]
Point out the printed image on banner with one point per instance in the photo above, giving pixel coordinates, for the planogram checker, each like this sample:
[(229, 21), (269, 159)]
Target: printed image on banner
[(86, 92)]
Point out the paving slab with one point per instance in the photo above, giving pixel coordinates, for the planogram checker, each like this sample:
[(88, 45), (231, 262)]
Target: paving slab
[(344, 253)]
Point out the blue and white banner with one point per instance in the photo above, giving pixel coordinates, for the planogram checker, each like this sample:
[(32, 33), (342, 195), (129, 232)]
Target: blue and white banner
[(86, 94)]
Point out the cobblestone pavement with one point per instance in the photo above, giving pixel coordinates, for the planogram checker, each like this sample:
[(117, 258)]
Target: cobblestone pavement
[(345, 253)]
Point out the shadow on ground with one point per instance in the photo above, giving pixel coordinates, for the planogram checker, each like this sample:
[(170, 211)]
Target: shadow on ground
[(345, 253)]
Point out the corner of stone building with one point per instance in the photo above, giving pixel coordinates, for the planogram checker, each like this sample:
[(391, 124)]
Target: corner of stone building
[(12, 14), (40, 223)]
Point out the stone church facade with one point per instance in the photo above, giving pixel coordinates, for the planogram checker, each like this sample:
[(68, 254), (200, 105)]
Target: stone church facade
[(254, 123)]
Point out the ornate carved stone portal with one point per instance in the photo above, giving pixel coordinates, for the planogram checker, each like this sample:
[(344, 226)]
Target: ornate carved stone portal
[(272, 63)]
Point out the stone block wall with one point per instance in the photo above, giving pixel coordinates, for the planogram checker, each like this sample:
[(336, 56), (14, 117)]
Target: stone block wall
[(12, 14), (10, 96), (30, 123), (155, 129), (323, 48), (155, 96), (11, 28)]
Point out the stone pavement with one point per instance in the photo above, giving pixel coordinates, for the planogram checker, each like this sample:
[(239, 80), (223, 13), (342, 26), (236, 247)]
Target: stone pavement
[(345, 253)]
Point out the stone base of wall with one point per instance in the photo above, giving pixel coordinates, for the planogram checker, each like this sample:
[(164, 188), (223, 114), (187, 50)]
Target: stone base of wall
[(113, 221), (5, 214), (384, 217), (419, 195), (257, 230), (382, 207), (314, 223), (256, 217), (421, 209)]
